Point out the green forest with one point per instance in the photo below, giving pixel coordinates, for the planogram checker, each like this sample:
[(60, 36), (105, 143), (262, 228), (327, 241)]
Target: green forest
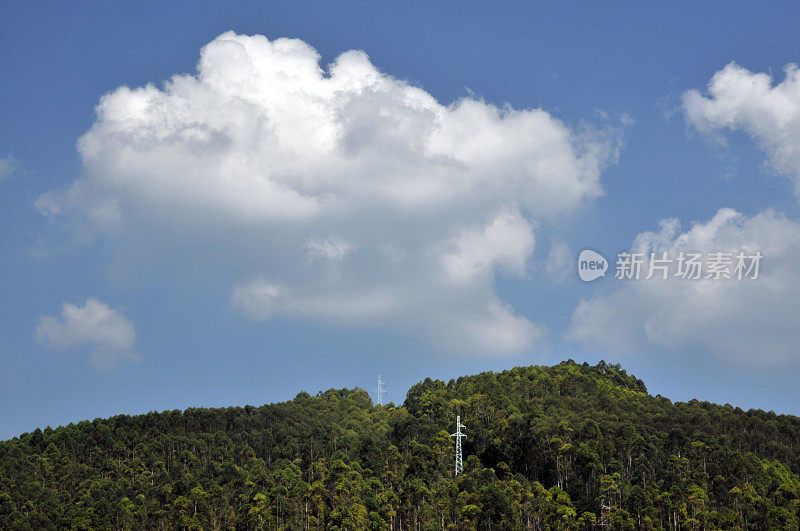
[(571, 446)]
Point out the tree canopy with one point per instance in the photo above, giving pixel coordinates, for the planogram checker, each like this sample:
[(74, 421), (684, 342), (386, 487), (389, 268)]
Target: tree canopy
[(571, 446)]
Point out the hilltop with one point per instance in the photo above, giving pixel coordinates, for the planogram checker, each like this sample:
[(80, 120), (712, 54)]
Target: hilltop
[(569, 446)]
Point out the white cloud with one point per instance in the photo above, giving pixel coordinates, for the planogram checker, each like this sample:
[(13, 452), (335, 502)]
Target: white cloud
[(752, 322), (96, 324), (258, 299), (560, 262), (331, 249), (8, 166), (357, 197), (507, 241), (742, 100), (747, 322)]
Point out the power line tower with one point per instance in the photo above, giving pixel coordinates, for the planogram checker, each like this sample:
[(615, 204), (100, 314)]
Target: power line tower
[(458, 435), (379, 391)]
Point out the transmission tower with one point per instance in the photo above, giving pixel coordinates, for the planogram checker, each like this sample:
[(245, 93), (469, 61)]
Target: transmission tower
[(379, 391), (458, 435)]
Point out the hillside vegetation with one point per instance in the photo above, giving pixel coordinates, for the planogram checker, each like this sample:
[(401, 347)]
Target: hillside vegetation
[(564, 447)]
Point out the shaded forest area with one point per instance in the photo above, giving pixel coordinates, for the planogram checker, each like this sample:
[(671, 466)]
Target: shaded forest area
[(565, 447)]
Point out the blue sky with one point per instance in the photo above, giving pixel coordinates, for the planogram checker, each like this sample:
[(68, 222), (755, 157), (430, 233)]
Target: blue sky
[(191, 282)]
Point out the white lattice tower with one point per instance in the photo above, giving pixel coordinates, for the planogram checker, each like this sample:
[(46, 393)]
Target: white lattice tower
[(379, 391), (459, 435)]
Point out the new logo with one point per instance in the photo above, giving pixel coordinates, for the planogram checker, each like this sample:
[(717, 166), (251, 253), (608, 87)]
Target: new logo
[(591, 265)]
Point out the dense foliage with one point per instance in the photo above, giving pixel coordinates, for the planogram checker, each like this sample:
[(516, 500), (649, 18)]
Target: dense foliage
[(570, 446)]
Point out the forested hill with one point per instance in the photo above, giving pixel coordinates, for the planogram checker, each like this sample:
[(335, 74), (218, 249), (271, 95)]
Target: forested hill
[(570, 446)]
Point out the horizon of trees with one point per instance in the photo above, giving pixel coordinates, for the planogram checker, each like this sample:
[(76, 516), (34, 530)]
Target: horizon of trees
[(571, 446)]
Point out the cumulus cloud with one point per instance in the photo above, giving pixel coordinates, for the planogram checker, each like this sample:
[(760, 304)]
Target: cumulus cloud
[(96, 324), (8, 166), (742, 100), (331, 249), (358, 198), (751, 322), (559, 262), (258, 299), (507, 241)]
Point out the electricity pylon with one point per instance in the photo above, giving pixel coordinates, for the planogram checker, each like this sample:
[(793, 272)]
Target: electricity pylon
[(379, 392), (458, 435)]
